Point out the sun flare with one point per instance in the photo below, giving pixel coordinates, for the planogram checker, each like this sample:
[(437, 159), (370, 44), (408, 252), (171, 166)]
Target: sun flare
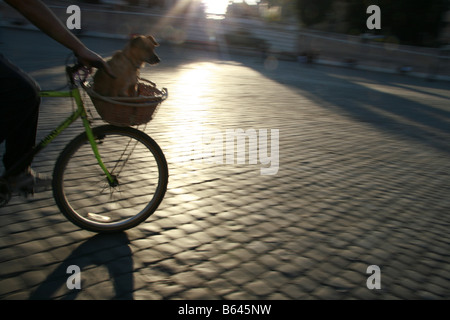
[(216, 6)]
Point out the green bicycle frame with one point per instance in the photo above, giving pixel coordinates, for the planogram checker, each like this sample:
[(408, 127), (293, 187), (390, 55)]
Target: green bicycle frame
[(79, 112)]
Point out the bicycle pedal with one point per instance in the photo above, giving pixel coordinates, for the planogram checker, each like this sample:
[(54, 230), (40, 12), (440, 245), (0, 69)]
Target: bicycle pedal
[(5, 192), (25, 193), (4, 199)]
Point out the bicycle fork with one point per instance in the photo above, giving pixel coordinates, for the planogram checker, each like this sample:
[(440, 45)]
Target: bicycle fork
[(112, 179)]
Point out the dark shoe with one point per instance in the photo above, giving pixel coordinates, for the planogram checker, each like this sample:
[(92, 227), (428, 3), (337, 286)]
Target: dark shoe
[(29, 182)]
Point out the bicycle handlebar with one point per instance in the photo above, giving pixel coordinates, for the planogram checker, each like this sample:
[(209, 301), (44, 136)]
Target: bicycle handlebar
[(74, 71)]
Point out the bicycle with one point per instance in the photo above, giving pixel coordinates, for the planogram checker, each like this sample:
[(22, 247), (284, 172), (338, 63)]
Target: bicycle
[(108, 178)]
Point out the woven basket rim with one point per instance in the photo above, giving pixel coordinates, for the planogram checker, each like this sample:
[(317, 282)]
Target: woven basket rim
[(140, 101)]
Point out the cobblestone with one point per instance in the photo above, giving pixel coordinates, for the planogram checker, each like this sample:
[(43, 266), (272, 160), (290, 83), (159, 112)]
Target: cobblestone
[(362, 180)]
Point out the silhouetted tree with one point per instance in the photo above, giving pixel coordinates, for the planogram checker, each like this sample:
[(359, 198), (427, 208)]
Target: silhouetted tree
[(313, 11), (415, 22)]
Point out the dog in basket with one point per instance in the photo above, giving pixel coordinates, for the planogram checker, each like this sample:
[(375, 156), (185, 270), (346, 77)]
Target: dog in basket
[(125, 66)]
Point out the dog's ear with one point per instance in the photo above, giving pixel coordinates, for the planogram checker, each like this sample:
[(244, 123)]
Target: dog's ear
[(135, 40), (156, 44)]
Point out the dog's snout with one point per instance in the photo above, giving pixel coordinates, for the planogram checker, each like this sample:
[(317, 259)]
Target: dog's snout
[(154, 59)]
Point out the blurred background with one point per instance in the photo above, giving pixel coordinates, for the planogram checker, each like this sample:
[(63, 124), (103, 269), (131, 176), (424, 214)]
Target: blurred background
[(414, 35), (364, 156)]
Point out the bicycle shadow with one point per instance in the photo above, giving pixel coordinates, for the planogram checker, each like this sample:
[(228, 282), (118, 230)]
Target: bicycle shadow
[(111, 251)]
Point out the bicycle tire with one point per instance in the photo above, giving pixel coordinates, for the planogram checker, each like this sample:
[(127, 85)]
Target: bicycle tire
[(83, 193)]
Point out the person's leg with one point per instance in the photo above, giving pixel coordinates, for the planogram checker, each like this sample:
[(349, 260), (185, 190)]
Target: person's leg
[(19, 111)]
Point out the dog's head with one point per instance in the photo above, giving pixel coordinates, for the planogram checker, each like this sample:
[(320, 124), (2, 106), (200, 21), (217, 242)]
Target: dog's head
[(142, 48)]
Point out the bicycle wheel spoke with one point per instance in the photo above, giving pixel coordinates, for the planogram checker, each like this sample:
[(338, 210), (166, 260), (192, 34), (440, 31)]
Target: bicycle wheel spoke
[(88, 199)]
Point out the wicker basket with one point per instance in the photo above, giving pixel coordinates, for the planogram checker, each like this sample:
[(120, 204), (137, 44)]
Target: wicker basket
[(129, 111)]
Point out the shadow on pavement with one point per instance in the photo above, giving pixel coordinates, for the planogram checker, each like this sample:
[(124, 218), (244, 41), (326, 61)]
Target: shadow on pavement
[(407, 107), (111, 251)]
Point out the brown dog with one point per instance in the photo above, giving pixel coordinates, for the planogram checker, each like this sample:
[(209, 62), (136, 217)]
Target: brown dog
[(125, 66)]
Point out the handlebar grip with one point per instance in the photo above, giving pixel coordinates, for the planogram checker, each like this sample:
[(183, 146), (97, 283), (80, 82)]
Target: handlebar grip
[(73, 71), (75, 68)]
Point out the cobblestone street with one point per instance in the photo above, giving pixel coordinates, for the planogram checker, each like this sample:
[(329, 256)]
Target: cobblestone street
[(362, 179)]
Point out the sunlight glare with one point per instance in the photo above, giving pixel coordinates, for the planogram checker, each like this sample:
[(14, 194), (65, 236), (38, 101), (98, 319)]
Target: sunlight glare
[(216, 7), (191, 96)]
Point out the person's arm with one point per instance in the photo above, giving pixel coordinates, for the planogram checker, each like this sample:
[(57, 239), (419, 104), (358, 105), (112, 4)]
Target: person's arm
[(42, 17)]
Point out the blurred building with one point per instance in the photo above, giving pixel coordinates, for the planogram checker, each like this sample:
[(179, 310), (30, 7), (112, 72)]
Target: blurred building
[(141, 3)]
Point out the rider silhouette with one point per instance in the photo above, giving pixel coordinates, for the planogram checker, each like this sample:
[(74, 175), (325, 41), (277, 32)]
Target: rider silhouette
[(19, 109)]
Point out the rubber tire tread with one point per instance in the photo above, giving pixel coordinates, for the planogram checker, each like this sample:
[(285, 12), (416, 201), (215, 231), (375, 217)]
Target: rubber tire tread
[(82, 138)]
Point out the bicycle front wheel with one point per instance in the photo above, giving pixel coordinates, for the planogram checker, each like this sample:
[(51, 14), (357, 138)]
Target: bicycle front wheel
[(86, 197)]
